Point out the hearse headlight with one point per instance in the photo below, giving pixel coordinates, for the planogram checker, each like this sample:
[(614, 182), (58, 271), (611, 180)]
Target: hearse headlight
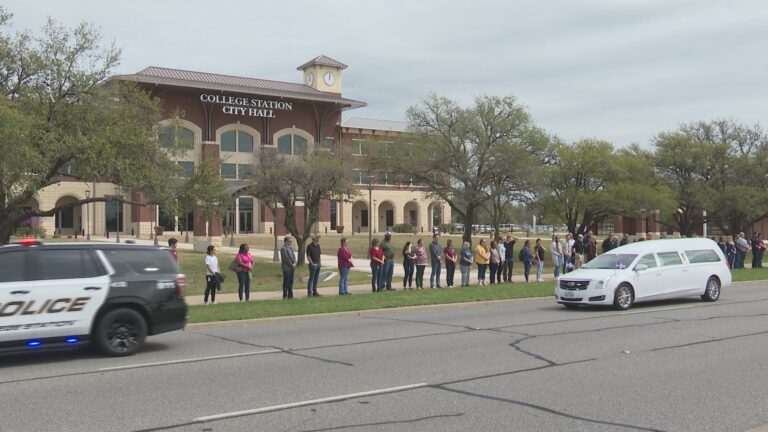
[(601, 283)]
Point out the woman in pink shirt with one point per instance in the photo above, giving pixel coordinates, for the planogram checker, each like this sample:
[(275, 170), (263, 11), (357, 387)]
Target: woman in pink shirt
[(245, 264), (344, 256)]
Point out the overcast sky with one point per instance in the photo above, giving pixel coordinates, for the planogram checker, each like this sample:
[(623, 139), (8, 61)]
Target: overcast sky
[(619, 70)]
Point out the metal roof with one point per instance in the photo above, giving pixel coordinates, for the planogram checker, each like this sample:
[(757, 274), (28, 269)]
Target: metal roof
[(374, 124), (323, 61), (210, 81)]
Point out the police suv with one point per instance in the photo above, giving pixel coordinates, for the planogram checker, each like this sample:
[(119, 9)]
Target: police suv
[(64, 294)]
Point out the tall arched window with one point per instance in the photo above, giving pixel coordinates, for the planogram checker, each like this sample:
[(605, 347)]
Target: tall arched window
[(170, 136), (237, 141), (292, 145)]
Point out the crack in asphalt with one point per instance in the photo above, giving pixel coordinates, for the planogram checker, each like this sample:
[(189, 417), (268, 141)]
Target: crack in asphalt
[(710, 341), (516, 346), (545, 409), (383, 423)]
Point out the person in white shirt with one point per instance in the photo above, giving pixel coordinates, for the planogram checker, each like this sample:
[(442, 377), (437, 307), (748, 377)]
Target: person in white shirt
[(211, 274), (502, 253), (568, 253)]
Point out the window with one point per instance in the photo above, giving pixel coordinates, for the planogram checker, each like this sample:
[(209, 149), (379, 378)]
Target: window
[(141, 261), (648, 260), (232, 141), (669, 258), (66, 264), (188, 167), (176, 136), (228, 171), (292, 145), (359, 147), (12, 266), (410, 149), (702, 256), (244, 171), (328, 144), (386, 148), (360, 177), (385, 178)]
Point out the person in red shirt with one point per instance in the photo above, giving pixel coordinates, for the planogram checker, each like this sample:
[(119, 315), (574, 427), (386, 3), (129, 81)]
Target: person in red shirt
[(377, 260), (344, 256), (172, 249)]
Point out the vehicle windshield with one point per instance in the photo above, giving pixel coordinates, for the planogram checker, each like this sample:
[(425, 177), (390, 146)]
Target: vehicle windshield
[(610, 261)]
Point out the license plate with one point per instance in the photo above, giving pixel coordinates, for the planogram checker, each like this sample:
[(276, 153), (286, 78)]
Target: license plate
[(568, 294)]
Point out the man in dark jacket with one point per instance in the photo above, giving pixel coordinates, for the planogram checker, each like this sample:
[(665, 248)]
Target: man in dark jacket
[(288, 264), (509, 258)]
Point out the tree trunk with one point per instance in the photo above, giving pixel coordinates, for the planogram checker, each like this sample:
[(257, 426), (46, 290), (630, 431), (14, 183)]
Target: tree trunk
[(469, 220)]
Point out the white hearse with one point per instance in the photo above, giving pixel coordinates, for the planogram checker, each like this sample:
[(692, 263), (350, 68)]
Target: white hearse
[(647, 270)]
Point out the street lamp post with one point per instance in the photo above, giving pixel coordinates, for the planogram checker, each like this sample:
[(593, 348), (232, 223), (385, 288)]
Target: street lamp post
[(154, 217), (275, 257), (370, 209), (118, 192), (87, 216), (232, 224)]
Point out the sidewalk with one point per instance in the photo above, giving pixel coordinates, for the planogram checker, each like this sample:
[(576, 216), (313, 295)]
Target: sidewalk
[(330, 263)]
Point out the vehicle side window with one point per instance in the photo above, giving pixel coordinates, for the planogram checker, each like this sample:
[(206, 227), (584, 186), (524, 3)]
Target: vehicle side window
[(141, 261), (702, 256), (648, 260), (12, 266), (669, 258), (65, 264)]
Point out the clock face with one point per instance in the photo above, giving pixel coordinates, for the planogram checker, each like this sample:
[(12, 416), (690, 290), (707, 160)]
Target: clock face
[(310, 78), (329, 78)]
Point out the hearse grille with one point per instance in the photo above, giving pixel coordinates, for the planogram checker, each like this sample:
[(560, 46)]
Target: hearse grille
[(573, 285)]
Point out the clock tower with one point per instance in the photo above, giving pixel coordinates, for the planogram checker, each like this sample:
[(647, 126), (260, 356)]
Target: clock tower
[(323, 73)]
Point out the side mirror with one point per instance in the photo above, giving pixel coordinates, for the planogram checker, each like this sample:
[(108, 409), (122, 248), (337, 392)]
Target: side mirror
[(641, 267)]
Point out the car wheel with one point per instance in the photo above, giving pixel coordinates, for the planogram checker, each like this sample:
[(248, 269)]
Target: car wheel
[(570, 305), (712, 293), (120, 332), (623, 297)]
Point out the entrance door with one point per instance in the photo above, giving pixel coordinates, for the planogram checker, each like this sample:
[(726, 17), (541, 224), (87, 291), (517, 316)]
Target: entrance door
[(114, 216), (245, 215), (390, 217)]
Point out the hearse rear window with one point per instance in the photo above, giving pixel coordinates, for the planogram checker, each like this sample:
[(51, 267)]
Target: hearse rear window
[(669, 258), (702, 256)]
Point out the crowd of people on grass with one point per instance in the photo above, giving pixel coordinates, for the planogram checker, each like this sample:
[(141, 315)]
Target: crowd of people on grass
[(494, 261)]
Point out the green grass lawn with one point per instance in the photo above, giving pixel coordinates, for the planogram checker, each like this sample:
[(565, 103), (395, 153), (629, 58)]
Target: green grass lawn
[(365, 301), (267, 275), (748, 274)]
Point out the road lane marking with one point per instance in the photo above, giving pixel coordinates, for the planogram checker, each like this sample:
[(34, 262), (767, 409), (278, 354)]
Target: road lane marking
[(189, 360), (309, 402)]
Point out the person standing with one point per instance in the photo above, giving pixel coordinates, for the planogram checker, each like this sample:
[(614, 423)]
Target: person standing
[(579, 248), (288, 264), (502, 249), (244, 261), (568, 253), (624, 240), (493, 262), (211, 274), (509, 257), (557, 251), (482, 259), (344, 257), (526, 256), (388, 268), (409, 265), (539, 259), (450, 262), (608, 243), (590, 247), (761, 245), (755, 243), (313, 259), (377, 260), (742, 246), (436, 255), (421, 263), (730, 247), (465, 264), (172, 242)]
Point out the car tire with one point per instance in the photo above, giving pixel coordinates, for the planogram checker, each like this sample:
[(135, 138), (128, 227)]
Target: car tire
[(120, 332), (623, 297), (712, 291)]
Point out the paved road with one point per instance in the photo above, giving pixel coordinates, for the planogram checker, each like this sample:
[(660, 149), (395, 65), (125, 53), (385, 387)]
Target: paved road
[(504, 366)]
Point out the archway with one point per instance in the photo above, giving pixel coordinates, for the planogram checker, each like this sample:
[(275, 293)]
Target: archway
[(360, 217), (435, 215), (412, 215), (66, 221), (386, 218)]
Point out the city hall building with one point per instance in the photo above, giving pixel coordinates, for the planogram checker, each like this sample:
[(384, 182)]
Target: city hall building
[(228, 119)]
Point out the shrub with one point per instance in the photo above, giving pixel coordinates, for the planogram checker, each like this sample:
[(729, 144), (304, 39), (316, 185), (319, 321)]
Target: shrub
[(30, 231), (404, 228), (447, 228)]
